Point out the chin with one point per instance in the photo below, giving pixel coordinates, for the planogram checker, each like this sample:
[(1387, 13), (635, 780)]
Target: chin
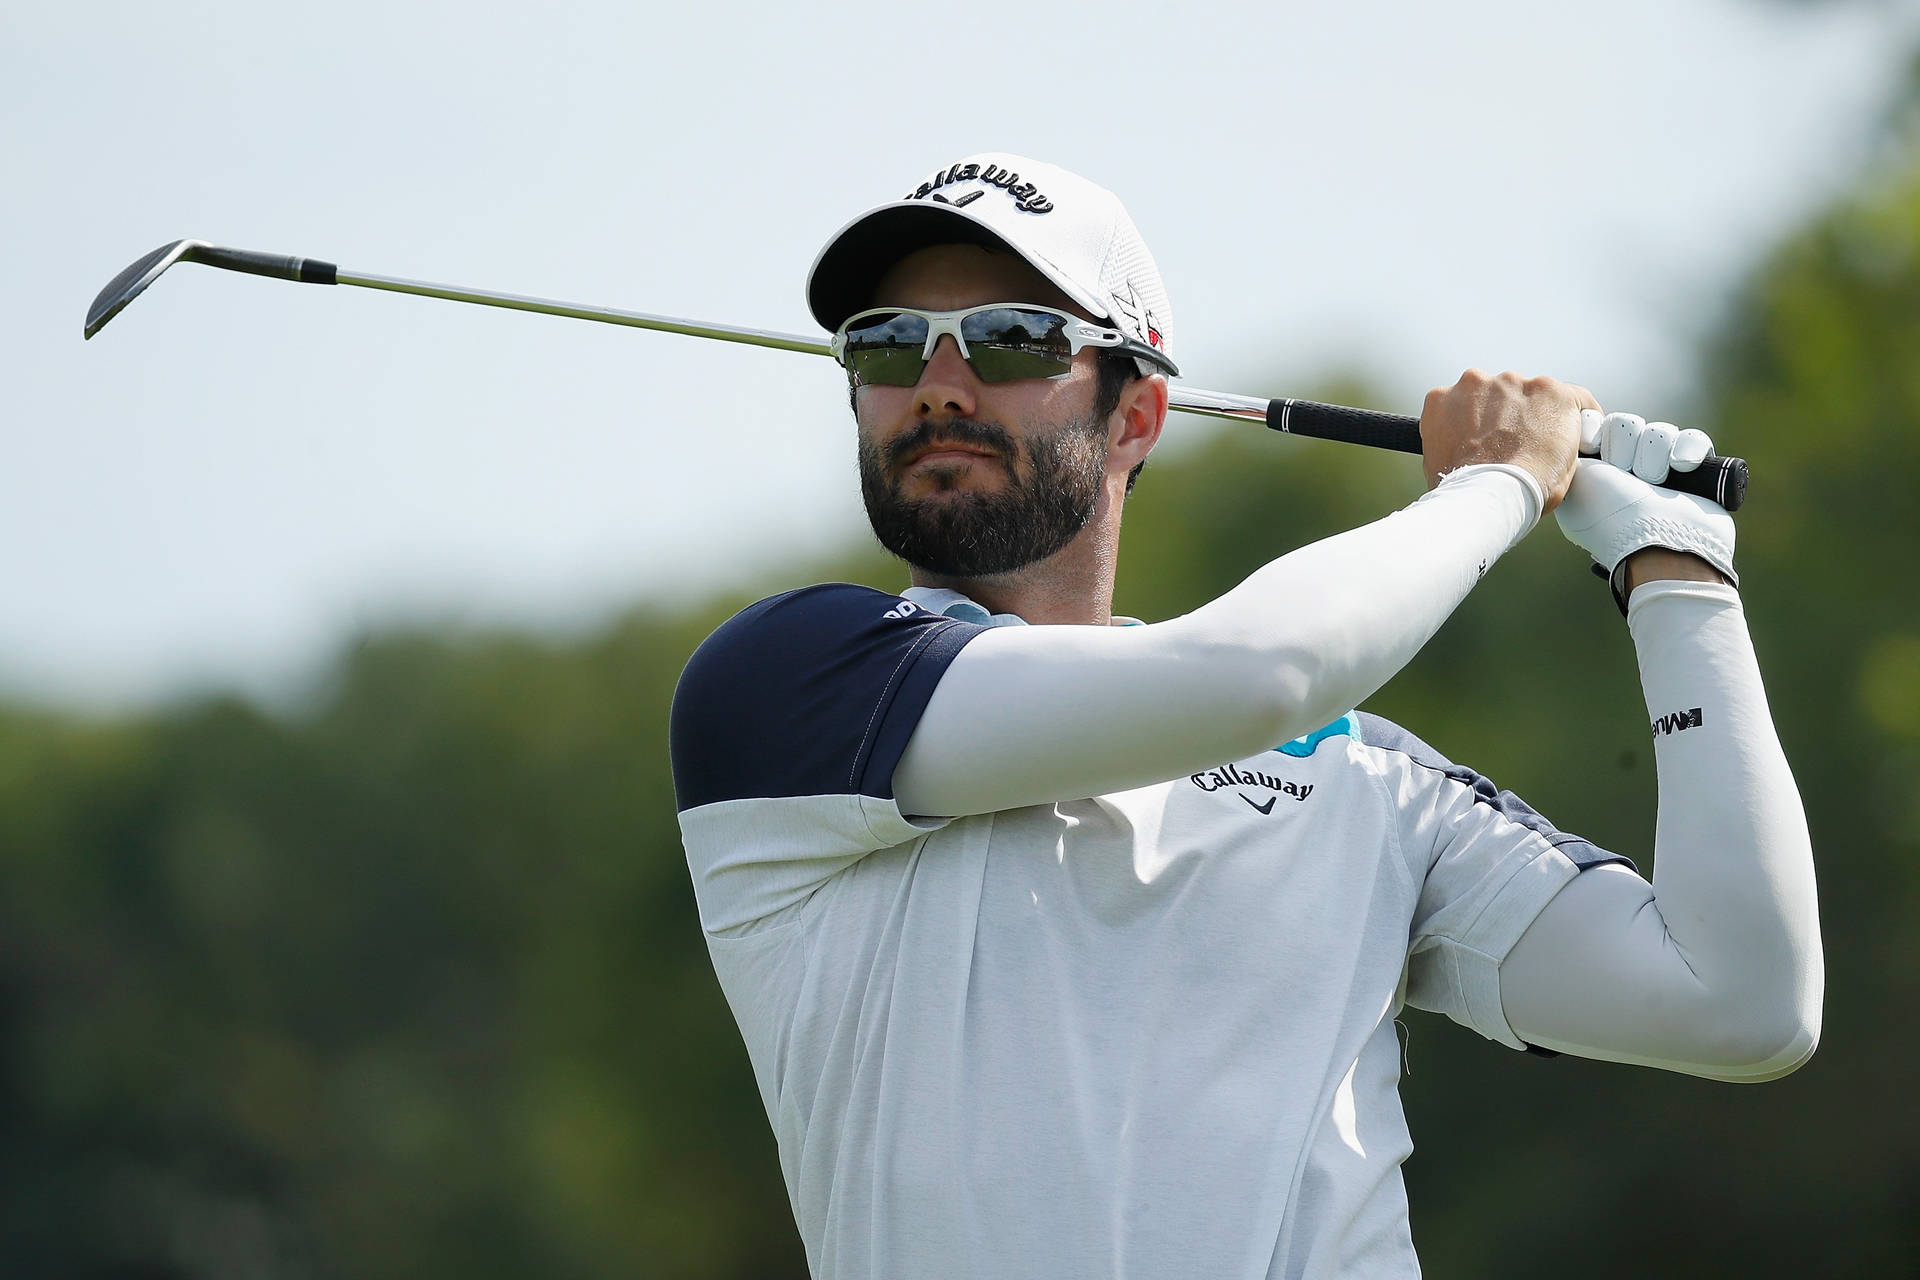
[(958, 481)]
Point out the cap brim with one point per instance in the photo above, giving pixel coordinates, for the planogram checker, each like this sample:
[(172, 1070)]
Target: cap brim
[(849, 269)]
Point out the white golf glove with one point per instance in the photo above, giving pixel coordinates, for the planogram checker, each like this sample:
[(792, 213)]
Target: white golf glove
[(1615, 507)]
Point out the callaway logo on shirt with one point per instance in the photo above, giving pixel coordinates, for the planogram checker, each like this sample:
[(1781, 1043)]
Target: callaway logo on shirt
[(1229, 775)]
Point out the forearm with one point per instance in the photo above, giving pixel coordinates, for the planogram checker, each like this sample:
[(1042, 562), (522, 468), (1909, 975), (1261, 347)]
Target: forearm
[(1029, 715), (1715, 968), (1332, 622)]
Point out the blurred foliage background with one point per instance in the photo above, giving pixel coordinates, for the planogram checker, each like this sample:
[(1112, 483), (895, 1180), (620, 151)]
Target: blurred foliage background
[(410, 983)]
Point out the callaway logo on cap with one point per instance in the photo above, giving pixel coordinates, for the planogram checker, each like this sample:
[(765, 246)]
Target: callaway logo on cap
[(1074, 233)]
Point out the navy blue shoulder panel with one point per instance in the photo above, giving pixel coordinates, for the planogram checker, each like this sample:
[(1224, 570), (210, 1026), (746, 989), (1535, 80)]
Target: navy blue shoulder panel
[(1377, 731), (813, 692)]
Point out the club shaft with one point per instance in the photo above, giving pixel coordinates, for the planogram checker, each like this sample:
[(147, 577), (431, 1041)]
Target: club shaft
[(585, 311)]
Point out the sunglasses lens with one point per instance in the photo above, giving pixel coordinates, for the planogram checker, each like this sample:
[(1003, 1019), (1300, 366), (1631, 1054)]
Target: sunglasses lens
[(885, 350), (1004, 344), (1009, 343)]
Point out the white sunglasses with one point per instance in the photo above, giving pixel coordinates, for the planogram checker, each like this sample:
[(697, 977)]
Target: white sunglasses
[(1001, 342)]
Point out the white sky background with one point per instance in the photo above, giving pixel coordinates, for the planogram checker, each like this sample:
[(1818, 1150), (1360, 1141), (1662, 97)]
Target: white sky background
[(239, 473)]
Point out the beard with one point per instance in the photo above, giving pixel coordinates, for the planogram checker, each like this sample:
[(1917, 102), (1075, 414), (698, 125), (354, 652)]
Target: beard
[(1045, 503)]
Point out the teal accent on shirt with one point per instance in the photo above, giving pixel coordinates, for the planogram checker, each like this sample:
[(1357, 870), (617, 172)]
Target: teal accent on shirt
[(1346, 726)]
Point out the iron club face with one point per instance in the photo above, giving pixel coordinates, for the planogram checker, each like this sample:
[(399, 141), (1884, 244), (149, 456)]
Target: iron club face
[(126, 286)]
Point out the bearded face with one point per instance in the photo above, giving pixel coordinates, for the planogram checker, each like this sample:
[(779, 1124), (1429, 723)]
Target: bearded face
[(1052, 487)]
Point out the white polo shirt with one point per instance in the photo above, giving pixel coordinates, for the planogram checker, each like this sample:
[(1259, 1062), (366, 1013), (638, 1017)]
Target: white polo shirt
[(1146, 1034)]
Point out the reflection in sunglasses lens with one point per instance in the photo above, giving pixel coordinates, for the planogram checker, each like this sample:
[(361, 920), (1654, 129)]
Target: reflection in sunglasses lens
[(885, 350), (1014, 344), (1004, 344)]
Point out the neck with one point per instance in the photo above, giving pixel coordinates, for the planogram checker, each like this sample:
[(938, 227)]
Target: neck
[(1074, 585)]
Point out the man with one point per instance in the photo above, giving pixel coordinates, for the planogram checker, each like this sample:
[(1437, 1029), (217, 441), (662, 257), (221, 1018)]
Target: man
[(1068, 946)]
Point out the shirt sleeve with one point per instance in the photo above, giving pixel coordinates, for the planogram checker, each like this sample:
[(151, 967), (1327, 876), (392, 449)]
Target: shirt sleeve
[(1491, 863), (1716, 968), (786, 727)]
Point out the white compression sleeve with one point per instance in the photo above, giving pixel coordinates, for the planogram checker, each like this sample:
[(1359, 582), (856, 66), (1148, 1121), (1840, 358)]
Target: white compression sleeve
[(1030, 715), (1715, 969)]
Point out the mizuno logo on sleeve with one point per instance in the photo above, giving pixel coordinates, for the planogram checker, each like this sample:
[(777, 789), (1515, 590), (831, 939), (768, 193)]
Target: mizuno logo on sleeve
[(1675, 721)]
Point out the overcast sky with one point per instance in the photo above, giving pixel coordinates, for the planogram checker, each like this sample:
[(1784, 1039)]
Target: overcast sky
[(240, 473)]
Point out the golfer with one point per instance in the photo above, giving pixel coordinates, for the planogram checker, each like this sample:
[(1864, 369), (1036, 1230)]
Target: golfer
[(1065, 945)]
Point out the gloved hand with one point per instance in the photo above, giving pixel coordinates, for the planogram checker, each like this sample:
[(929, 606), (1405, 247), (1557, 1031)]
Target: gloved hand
[(1615, 507)]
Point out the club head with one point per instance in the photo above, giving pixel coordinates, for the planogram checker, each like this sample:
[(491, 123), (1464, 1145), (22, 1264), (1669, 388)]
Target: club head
[(126, 286)]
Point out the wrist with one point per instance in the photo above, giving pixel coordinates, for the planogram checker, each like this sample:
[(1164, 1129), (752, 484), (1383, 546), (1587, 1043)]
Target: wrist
[(1660, 564), (1532, 494)]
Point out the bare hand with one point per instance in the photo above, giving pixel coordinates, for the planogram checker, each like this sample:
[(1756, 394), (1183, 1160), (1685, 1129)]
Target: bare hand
[(1529, 422)]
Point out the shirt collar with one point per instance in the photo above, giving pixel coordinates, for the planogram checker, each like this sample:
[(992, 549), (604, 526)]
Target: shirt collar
[(951, 604)]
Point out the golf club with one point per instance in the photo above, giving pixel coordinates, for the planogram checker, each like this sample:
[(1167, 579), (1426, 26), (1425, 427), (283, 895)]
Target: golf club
[(1724, 480)]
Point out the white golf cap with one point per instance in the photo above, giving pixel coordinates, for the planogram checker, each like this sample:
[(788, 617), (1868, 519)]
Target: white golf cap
[(1074, 233)]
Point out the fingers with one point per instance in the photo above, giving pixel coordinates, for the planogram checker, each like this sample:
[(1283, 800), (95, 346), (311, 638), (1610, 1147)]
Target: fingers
[(1590, 422), (1690, 449), (1650, 450), (1651, 457), (1619, 437)]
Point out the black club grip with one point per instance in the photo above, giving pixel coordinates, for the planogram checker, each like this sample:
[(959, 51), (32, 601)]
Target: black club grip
[(1723, 480)]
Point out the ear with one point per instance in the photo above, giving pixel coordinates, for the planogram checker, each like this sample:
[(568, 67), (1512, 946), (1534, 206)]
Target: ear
[(1136, 422)]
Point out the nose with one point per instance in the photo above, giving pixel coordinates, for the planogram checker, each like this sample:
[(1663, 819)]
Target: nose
[(948, 387)]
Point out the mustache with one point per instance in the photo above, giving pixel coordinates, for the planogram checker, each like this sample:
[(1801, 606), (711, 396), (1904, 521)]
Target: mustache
[(968, 431)]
